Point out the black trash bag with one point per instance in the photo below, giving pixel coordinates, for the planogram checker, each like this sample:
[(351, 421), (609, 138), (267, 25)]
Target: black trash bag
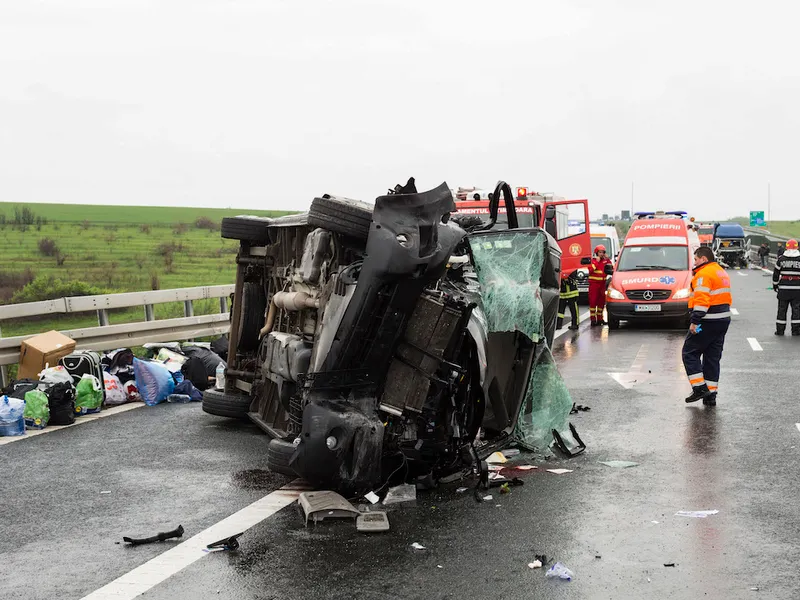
[(61, 399), (195, 371), (209, 358), (220, 346), (18, 389)]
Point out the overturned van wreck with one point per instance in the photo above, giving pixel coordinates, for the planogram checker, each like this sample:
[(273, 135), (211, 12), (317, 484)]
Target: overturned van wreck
[(392, 341)]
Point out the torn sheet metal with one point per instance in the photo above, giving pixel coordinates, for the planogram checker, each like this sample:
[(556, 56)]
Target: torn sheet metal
[(318, 506)]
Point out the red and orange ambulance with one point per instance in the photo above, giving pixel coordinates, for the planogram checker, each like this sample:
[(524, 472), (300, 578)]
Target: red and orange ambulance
[(653, 275)]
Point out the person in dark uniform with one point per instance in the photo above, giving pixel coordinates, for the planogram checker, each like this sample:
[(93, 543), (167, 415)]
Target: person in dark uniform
[(568, 298), (786, 282), (763, 255), (710, 306)]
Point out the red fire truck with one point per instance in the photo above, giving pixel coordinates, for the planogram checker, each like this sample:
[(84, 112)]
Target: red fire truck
[(566, 220)]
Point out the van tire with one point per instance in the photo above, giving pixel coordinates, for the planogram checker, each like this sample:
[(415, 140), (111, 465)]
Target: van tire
[(279, 455), (613, 323), (245, 229), (341, 215), (254, 307), (226, 404)]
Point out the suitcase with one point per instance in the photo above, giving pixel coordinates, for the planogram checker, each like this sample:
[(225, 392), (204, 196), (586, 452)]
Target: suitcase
[(84, 362)]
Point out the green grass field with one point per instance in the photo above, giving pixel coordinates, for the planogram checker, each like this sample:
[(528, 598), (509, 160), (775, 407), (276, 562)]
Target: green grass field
[(115, 249), (783, 228)]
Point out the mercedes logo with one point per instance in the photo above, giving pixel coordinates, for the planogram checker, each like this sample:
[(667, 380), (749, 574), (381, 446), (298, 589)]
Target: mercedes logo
[(648, 295)]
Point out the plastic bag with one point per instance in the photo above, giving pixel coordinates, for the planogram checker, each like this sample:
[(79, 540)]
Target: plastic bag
[(115, 395), (186, 387), (88, 395), (12, 421), (154, 381), (131, 391), (37, 410), (165, 354), (55, 375)]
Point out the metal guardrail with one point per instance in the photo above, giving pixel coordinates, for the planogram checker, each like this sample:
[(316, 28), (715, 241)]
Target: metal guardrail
[(109, 337)]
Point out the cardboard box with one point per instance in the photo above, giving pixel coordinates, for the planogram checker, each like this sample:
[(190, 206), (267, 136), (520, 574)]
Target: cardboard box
[(40, 351)]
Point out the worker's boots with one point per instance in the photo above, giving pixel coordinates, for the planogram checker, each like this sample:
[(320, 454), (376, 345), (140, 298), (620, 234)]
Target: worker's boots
[(701, 392), (711, 400), (780, 330)]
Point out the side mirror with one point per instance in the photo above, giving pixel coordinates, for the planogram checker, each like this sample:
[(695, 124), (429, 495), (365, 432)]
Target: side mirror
[(586, 260), (609, 269)]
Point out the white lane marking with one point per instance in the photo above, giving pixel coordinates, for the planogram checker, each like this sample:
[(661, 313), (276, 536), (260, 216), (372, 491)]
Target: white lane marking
[(560, 332), (754, 344), (114, 410), (741, 274), (162, 567), (734, 311), (798, 426), (766, 270)]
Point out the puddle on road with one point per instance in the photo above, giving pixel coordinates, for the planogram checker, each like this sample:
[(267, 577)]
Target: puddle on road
[(255, 479)]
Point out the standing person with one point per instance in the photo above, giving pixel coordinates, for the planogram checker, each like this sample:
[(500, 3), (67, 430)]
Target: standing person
[(786, 281), (781, 249), (763, 253), (597, 285), (568, 298), (710, 317)]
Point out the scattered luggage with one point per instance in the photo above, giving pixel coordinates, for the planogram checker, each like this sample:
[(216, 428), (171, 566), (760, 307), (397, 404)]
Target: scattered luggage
[(120, 363), (195, 371), (210, 358), (37, 410), (89, 395), (61, 400), (12, 421), (115, 394), (154, 381), (84, 362)]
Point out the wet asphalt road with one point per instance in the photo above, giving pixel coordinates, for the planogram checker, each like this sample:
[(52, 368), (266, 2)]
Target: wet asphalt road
[(615, 528)]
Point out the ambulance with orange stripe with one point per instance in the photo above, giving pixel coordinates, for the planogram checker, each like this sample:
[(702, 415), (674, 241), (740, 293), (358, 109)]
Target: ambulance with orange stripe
[(653, 274)]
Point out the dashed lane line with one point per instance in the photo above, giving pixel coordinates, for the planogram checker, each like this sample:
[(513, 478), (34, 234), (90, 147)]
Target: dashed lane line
[(798, 426), (754, 344), (165, 565), (734, 312), (114, 410), (741, 274)]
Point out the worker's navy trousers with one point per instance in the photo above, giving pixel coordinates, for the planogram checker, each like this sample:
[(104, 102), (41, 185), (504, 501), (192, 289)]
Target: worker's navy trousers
[(702, 353)]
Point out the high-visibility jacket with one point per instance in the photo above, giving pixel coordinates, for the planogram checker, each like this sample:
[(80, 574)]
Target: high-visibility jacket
[(569, 288), (711, 294), (597, 270)]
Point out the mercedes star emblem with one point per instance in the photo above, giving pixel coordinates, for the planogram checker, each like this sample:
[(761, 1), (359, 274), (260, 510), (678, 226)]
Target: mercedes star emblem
[(648, 295)]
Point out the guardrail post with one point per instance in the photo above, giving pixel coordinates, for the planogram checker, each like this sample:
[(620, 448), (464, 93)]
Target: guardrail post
[(3, 371), (223, 304), (102, 317), (148, 313), (188, 308)]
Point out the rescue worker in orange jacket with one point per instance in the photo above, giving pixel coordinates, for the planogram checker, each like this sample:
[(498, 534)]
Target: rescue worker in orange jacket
[(597, 285), (710, 307)]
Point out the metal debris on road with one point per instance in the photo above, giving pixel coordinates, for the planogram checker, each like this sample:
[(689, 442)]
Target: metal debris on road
[(318, 506), (559, 471), (619, 464), (417, 546), (696, 514), (401, 494)]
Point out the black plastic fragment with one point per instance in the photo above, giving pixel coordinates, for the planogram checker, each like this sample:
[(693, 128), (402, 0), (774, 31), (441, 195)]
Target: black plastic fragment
[(160, 537), (229, 543)]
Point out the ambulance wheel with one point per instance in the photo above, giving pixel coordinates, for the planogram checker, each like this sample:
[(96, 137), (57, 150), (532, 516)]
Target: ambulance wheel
[(226, 404), (613, 323)]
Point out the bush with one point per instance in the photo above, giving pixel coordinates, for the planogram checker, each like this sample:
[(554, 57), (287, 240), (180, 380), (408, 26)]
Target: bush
[(166, 249), (48, 288), (145, 228), (180, 228), (48, 247), (206, 223), (155, 282), (24, 216), (11, 282), (86, 225)]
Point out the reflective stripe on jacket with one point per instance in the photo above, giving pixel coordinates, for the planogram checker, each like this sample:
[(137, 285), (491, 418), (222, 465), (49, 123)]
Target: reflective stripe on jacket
[(711, 294), (597, 270)]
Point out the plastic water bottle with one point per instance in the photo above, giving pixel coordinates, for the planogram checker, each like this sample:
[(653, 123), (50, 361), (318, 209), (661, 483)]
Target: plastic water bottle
[(12, 419), (560, 571), (179, 398), (220, 376)]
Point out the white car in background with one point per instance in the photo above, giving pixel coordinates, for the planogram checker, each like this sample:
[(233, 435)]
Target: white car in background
[(608, 237)]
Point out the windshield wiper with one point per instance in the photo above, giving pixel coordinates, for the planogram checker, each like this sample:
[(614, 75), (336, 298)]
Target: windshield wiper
[(655, 268)]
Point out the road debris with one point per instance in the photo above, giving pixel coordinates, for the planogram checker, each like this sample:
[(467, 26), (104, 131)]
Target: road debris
[(487, 498), (229, 543), (559, 471), (372, 522), (159, 537), (372, 497), (561, 571), (417, 546), (321, 505), (537, 564), (461, 490), (696, 514), (105, 492), (496, 459), (401, 494), (505, 489), (576, 408), (510, 452), (669, 564), (619, 464)]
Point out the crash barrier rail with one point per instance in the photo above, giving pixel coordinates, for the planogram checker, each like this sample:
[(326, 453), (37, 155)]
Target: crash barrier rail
[(757, 236), (109, 337)]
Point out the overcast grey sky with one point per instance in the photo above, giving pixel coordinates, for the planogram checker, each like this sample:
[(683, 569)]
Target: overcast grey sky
[(266, 103)]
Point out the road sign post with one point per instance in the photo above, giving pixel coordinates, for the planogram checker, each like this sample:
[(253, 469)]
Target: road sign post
[(757, 218)]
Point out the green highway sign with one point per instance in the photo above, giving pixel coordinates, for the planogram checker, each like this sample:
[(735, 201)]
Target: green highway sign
[(757, 218)]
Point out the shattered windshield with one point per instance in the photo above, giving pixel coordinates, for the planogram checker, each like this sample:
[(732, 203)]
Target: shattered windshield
[(654, 258)]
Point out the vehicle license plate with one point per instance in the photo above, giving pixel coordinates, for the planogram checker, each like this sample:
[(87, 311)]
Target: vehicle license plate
[(647, 308)]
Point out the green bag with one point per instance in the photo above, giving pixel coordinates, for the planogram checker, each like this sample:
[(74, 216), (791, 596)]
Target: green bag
[(37, 410), (88, 395)]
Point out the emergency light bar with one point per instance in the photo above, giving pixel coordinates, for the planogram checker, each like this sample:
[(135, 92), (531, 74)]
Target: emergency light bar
[(522, 192)]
